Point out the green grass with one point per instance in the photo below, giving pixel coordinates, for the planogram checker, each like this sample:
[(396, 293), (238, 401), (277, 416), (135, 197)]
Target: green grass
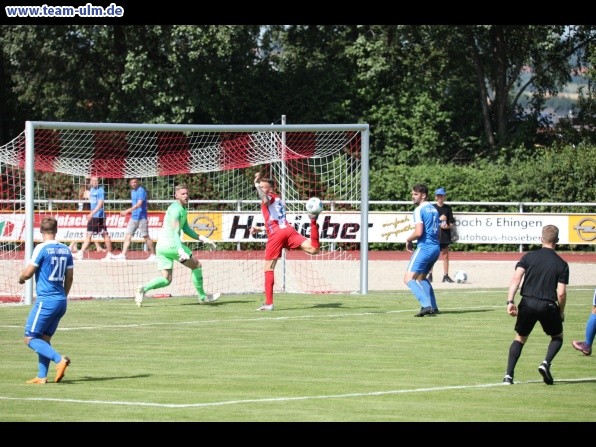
[(315, 358)]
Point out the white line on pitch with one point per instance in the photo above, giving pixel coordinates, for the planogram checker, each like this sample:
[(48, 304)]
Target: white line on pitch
[(284, 399)]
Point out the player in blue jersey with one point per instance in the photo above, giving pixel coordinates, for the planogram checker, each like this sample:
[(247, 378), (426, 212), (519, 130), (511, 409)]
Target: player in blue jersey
[(585, 346), (96, 219), (138, 219), (52, 265), (426, 233)]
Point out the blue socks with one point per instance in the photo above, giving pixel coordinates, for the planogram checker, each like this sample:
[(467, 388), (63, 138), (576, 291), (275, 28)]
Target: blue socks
[(591, 329), (428, 289), (419, 293), (42, 366), (43, 348)]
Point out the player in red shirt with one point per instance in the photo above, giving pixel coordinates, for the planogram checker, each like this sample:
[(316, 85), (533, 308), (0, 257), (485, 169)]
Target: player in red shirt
[(280, 234)]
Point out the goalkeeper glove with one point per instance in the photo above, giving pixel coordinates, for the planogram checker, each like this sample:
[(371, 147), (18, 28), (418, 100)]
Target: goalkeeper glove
[(206, 240), (182, 255)]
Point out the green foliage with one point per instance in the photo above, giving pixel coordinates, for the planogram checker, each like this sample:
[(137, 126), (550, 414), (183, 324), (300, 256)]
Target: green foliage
[(558, 174), (449, 102)]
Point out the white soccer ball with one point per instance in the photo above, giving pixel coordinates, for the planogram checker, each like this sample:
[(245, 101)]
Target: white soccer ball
[(314, 205), (460, 277)]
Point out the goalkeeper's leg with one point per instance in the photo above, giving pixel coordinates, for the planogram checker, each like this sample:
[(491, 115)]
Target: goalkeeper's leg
[(158, 283), (165, 265), (197, 280), (155, 283)]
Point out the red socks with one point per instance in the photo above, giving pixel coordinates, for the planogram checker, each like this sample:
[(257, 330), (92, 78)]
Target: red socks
[(269, 281), (314, 234)]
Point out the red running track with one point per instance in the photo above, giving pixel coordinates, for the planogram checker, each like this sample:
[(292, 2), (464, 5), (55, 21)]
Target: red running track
[(396, 255)]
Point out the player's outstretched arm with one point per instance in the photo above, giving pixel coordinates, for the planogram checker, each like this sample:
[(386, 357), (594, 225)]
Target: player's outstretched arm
[(206, 240), (260, 191)]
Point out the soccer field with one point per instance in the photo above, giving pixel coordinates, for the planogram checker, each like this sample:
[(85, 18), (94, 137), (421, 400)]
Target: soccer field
[(321, 357)]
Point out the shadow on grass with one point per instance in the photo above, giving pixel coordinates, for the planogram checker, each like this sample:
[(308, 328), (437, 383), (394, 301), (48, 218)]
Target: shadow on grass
[(103, 379), (463, 311), (328, 306), (316, 306), (215, 303), (573, 381)]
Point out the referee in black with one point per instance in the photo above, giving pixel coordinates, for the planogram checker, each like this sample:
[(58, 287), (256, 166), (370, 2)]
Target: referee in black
[(544, 293)]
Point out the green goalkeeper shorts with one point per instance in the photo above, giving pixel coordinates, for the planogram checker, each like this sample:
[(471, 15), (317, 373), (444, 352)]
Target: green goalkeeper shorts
[(166, 256)]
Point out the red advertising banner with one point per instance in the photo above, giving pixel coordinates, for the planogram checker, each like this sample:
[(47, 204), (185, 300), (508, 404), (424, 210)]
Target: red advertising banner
[(72, 226)]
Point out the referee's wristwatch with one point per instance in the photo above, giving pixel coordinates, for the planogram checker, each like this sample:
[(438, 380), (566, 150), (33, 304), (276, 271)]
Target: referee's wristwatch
[(510, 302)]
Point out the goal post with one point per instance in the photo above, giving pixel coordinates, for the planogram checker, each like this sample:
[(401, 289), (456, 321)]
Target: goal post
[(43, 167)]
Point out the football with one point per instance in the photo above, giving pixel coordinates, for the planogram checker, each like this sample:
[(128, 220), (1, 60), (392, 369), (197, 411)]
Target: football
[(460, 277), (314, 205)]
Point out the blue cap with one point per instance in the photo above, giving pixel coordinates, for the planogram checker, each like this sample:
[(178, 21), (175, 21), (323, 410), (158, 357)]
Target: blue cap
[(440, 192)]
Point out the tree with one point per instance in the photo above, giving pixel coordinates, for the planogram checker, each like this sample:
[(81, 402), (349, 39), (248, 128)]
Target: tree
[(415, 94), (499, 55), (311, 72), (138, 73)]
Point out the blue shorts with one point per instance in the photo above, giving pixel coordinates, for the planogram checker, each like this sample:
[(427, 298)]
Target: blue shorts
[(44, 317), (423, 259)]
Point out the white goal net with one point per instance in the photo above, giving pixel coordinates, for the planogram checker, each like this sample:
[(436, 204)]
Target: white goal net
[(44, 168)]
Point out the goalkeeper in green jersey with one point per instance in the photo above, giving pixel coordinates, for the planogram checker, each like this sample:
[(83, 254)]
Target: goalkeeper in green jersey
[(169, 248)]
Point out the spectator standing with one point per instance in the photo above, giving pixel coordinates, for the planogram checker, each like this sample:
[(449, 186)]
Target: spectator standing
[(426, 233), (586, 346), (447, 221), (138, 219), (280, 234), (96, 219), (169, 248), (52, 265), (545, 277), (84, 205)]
